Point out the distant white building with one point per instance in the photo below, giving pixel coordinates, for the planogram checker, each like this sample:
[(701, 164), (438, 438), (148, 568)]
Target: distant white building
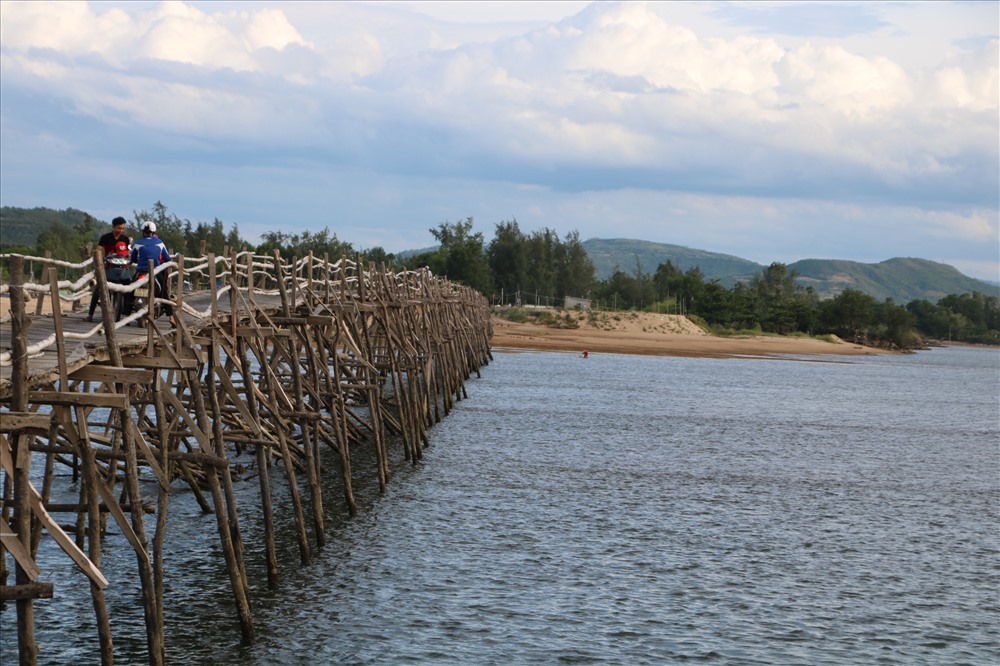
[(572, 302)]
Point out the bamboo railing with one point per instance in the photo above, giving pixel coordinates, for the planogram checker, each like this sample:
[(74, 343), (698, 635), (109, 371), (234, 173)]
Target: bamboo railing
[(293, 362)]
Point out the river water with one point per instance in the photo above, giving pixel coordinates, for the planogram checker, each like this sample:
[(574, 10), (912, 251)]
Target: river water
[(625, 510)]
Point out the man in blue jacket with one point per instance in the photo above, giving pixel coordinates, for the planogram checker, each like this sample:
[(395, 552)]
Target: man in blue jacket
[(151, 247)]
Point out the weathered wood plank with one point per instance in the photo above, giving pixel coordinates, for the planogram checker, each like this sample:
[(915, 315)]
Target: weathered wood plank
[(160, 363), (14, 546), (35, 590), (148, 456), (16, 421), (68, 398), (107, 373)]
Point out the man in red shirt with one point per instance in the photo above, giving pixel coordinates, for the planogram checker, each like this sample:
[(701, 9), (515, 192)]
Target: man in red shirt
[(108, 242)]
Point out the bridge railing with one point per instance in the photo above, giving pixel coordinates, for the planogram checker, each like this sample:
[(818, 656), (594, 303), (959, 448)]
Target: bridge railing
[(340, 280)]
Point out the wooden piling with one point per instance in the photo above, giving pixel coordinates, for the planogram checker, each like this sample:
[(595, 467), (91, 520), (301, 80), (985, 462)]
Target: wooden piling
[(27, 649), (299, 358)]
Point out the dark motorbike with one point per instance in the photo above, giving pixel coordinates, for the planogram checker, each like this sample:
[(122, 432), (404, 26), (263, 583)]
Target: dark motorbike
[(141, 294), (119, 272)]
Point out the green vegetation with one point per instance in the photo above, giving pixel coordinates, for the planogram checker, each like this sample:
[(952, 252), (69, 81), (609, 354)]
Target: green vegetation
[(773, 302), (540, 317), (20, 227), (610, 255), (460, 256), (541, 268), (902, 280)]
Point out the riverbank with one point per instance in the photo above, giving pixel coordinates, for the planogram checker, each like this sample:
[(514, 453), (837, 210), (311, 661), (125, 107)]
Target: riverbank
[(655, 335)]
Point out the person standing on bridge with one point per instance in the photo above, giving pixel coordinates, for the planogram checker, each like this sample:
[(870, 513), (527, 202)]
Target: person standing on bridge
[(147, 248), (108, 243)]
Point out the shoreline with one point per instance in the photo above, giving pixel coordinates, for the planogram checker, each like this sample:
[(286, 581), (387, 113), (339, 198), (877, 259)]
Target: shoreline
[(648, 334)]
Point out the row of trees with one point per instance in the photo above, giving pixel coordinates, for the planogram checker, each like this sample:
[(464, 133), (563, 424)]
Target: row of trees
[(542, 268), (774, 302), (514, 267), (182, 236)]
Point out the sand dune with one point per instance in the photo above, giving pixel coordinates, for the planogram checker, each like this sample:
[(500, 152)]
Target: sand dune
[(656, 335)]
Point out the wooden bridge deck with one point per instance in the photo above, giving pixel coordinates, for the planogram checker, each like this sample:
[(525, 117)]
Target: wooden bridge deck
[(85, 341), (294, 361)]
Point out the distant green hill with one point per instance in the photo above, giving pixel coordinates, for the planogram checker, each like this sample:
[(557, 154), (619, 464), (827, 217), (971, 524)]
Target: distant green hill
[(902, 280), (621, 253), (21, 226)]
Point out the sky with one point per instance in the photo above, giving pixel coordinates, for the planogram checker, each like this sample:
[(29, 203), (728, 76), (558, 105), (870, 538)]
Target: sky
[(773, 131)]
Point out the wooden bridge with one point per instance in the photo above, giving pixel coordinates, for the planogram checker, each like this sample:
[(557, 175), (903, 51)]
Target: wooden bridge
[(293, 362)]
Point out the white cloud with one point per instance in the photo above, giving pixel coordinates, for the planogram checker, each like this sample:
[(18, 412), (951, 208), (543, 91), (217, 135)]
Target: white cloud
[(662, 105), (972, 83), (269, 28), (614, 84), (61, 26), (831, 79), (176, 32), (976, 225)]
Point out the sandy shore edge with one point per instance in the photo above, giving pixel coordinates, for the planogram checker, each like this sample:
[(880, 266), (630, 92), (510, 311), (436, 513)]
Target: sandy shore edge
[(660, 335)]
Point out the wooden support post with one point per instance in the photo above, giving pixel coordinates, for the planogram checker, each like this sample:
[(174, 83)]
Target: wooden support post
[(286, 455), (338, 409), (341, 366), (212, 279), (234, 285), (178, 310), (224, 473), (154, 622), (263, 471), (222, 518), (305, 433), (94, 524), (163, 494), (27, 649), (41, 297)]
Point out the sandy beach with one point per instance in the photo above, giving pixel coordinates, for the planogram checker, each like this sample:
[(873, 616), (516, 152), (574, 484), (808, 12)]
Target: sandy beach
[(658, 335)]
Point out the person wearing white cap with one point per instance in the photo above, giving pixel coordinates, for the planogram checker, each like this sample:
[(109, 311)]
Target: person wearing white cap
[(151, 247)]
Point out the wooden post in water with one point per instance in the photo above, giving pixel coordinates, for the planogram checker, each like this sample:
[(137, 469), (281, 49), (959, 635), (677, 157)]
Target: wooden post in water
[(372, 363), (163, 494), (94, 525), (263, 470), (154, 623), (221, 514), (220, 446), (27, 649)]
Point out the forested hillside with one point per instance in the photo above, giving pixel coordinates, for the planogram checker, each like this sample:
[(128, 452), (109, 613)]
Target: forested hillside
[(902, 280), (625, 254), (899, 279), (21, 226)]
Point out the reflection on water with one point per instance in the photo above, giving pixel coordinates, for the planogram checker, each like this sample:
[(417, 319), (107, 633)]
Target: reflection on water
[(626, 510)]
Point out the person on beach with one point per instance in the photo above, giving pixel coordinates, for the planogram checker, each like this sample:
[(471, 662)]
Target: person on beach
[(109, 243), (147, 248)]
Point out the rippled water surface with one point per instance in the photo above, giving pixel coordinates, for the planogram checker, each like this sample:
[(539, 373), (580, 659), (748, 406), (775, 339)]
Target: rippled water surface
[(629, 510)]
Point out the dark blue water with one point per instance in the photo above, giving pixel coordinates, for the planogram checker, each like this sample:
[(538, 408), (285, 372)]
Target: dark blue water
[(629, 510)]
